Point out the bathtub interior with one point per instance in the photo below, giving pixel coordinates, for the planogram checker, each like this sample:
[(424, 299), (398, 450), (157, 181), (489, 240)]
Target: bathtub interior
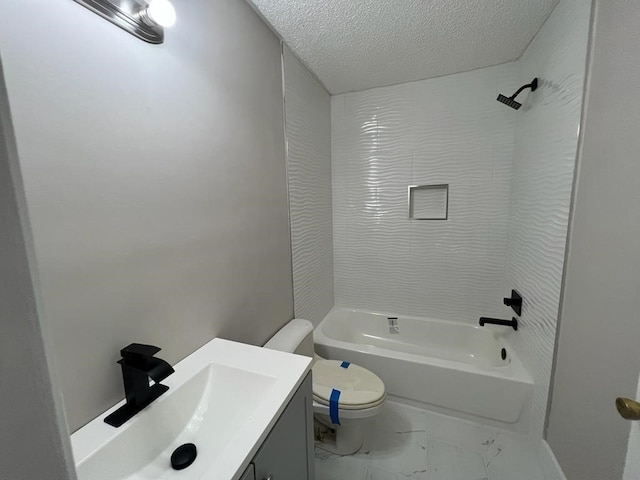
[(455, 341)]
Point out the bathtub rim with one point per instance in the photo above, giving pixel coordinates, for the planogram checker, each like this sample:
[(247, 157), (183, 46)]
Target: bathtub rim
[(514, 370)]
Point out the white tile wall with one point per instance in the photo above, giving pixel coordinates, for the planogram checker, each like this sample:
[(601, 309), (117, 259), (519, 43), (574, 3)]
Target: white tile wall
[(308, 132), (445, 130), (543, 168)]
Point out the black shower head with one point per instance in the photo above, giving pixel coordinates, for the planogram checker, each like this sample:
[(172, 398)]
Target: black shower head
[(511, 101)]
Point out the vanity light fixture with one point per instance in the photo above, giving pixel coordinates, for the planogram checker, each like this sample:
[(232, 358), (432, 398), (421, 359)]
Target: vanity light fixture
[(159, 12), (143, 19)]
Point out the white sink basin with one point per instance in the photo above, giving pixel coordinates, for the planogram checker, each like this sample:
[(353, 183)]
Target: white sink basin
[(224, 398)]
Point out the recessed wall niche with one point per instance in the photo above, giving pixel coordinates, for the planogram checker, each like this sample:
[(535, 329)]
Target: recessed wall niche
[(428, 202)]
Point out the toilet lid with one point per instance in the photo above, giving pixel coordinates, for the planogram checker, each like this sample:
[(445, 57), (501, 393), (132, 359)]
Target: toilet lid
[(358, 386)]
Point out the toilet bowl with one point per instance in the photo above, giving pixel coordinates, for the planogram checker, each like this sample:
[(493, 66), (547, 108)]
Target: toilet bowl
[(344, 394)]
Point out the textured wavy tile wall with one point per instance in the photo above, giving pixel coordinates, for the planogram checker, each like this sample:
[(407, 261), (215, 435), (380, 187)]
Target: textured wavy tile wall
[(308, 131), (543, 169), (447, 130)]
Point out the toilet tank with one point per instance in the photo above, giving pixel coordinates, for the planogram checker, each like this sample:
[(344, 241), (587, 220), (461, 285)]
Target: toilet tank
[(295, 337)]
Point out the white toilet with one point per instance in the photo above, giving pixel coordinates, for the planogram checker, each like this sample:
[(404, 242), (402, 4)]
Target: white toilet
[(344, 394)]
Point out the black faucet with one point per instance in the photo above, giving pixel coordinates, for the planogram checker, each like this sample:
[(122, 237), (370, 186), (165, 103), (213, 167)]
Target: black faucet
[(513, 323), (138, 366)]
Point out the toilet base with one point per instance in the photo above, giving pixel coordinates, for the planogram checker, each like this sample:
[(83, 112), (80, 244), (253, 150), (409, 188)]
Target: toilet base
[(343, 439)]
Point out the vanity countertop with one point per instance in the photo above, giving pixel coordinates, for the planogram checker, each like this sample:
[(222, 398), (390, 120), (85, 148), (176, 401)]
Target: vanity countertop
[(225, 398)]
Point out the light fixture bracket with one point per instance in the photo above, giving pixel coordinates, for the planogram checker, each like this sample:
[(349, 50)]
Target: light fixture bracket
[(126, 15)]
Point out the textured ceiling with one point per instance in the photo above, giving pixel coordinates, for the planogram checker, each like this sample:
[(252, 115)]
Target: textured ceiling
[(358, 44)]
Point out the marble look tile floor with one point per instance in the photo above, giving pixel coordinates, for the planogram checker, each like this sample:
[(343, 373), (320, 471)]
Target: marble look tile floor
[(405, 442)]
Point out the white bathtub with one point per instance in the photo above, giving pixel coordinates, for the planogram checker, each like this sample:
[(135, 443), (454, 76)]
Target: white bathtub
[(454, 366)]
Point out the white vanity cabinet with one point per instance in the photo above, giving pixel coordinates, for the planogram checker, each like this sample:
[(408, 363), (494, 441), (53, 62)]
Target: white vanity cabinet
[(287, 453)]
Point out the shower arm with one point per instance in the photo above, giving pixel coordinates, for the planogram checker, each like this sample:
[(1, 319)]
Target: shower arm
[(533, 86)]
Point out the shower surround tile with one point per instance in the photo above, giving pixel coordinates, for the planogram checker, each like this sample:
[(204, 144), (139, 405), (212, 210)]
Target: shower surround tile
[(308, 133), (449, 131), (543, 169)]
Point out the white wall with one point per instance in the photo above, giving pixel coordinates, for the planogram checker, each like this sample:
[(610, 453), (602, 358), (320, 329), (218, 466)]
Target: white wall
[(546, 139), (308, 132), (155, 180), (444, 130), (598, 357), (33, 440)]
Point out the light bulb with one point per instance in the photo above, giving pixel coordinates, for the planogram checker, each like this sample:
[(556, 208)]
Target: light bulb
[(160, 12)]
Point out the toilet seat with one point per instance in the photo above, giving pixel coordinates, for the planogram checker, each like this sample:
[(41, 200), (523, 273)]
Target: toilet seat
[(360, 389)]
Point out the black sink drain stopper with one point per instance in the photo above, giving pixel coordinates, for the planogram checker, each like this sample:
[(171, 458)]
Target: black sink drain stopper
[(183, 456)]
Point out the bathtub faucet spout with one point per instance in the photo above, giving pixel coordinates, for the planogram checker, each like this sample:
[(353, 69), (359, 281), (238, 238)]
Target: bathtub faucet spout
[(513, 323)]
